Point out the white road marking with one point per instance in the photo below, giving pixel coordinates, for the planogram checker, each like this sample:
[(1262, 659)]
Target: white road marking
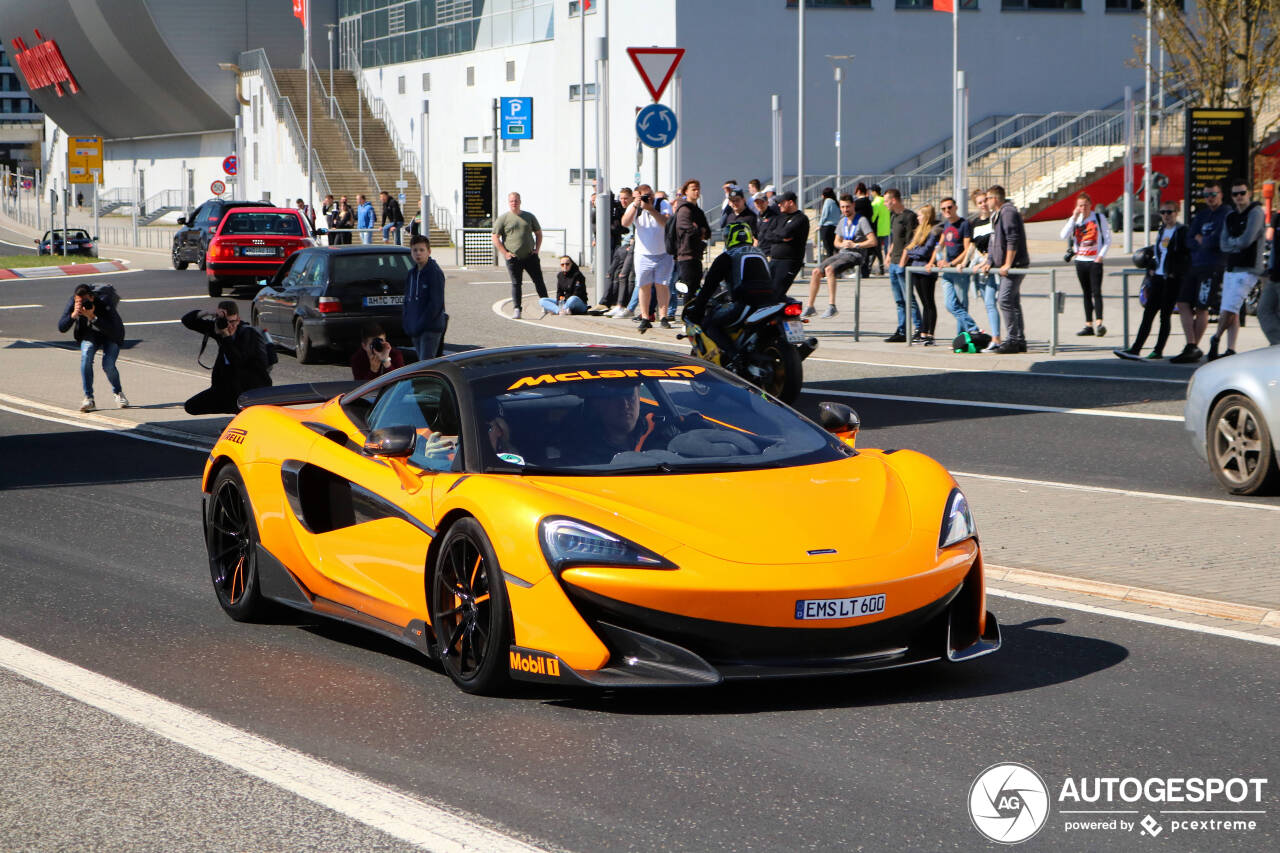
[(940, 368), (942, 401), (160, 298), (12, 307), (1129, 493), (128, 323), (371, 803), (1138, 617)]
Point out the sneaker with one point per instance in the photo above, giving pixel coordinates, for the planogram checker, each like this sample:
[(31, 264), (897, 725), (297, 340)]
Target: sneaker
[(991, 347), (1213, 349), (1011, 347), (928, 341), (917, 336), (1101, 330), (86, 405), (602, 308), (122, 401), (1228, 352), (809, 312), (896, 338), (1087, 331), (516, 314), (645, 325), (1131, 355), (829, 313), (1190, 355), (624, 314), (665, 323), (1155, 355)]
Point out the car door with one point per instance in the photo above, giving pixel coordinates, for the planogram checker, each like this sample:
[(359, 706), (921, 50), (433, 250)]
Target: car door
[(189, 236), (274, 313), (376, 548), (299, 299)]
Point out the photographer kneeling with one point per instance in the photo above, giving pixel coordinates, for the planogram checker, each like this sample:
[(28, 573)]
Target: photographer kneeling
[(241, 363), (376, 355)]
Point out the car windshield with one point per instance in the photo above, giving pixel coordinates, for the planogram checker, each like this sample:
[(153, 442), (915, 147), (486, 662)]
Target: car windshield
[(624, 416), (369, 271), (72, 234), (275, 223)]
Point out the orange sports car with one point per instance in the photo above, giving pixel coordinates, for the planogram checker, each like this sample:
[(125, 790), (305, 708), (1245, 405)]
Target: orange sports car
[(587, 515)]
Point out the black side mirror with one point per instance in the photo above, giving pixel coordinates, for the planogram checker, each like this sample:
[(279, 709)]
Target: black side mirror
[(395, 442), (182, 220), (838, 419), (319, 232)]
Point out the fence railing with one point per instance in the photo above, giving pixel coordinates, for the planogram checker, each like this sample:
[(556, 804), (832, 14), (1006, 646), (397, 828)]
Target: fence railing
[(407, 156), (357, 152), (255, 62), (474, 246)]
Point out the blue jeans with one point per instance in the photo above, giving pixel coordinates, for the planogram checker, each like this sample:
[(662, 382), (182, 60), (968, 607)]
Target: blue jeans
[(394, 228), (988, 287), (427, 344), (898, 282), (110, 351), (572, 305), (955, 292)]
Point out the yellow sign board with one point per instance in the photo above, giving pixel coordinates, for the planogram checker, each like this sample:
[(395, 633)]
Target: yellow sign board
[(84, 157)]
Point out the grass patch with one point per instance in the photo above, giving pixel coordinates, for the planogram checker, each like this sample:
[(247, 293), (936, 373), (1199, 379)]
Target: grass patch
[(13, 261)]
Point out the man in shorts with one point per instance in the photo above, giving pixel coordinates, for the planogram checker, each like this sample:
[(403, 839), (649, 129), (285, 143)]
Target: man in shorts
[(855, 236), (653, 265), (1242, 244), (1205, 274)]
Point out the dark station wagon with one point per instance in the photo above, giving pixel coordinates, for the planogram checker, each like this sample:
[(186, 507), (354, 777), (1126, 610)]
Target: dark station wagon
[(321, 297)]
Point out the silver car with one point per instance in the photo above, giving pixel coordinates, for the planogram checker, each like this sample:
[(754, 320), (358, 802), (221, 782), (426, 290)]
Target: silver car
[(1233, 415)]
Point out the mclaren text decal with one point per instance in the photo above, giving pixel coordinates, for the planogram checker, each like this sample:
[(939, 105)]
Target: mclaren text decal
[(535, 663), (683, 371)]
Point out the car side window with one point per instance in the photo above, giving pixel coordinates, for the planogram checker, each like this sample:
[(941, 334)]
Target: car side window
[(427, 404), (296, 271), (193, 221), (317, 272)]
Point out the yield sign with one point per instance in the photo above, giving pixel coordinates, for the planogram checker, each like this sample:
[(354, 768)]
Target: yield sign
[(656, 65)]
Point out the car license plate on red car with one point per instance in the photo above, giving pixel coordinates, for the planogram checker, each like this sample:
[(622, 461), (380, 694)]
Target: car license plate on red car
[(840, 608), (370, 301), (260, 251)]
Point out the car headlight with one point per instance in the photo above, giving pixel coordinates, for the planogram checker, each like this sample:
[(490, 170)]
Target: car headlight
[(567, 542), (957, 521)]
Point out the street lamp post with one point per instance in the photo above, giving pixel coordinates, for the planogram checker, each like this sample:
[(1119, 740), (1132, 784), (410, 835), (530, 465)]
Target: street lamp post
[(839, 75), (332, 95)]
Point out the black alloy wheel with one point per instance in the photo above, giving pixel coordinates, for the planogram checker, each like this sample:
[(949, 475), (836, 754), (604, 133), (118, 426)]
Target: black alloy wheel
[(200, 264), (1239, 447), (178, 264), (231, 538), (303, 349), (469, 610)]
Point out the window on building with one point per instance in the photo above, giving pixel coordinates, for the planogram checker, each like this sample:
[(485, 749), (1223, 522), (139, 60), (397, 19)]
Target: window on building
[(511, 145), (471, 75), (575, 7), (1131, 5), (426, 82), (965, 5), (255, 161), (253, 113), (471, 145), (1041, 5), (488, 145), (832, 4), (400, 84), (511, 71), (575, 91), (575, 176)]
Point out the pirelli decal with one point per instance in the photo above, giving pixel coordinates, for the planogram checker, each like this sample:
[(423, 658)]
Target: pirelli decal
[(235, 435), (683, 371), (530, 663)]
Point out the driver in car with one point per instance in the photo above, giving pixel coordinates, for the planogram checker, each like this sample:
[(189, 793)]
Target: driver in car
[(614, 424)]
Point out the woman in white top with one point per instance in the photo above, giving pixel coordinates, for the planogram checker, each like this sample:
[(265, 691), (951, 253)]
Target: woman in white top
[(1090, 238)]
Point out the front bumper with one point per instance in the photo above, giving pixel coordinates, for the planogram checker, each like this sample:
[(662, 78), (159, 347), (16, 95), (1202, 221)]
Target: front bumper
[(649, 648)]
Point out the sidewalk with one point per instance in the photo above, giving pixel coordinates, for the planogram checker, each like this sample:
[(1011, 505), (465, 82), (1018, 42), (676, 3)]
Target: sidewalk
[(1080, 539)]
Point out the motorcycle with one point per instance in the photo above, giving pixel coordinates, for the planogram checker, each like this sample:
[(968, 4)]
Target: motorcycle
[(770, 343)]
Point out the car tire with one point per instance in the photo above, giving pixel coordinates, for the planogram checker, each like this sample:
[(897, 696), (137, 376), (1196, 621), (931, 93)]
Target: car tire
[(303, 349), (202, 263), (470, 614), (231, 540), (215, 288), (177, 264), (1238, 447)]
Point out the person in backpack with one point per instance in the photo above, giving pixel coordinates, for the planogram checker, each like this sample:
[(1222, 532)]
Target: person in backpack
[(242, 362), (1172, 255), (97, 326), (1090, 239), (744, 270), (855, 238), (1242, 243)]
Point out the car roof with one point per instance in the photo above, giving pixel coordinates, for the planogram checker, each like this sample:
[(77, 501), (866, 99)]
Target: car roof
[(255, 208), (358, 250), (233, 203)]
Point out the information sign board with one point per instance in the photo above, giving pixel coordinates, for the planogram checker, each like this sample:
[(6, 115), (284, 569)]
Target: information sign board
[(477, 195), (84, 156), (1218, 145)]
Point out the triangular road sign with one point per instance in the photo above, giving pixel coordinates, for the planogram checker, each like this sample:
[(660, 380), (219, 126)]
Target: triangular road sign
[(656, 66)]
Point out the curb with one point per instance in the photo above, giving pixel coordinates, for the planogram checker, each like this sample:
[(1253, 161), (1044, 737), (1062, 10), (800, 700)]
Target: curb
[(1190, 604), (63, 270)]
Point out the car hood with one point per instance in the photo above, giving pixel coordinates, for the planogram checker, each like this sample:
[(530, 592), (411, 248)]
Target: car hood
[(851, 508)]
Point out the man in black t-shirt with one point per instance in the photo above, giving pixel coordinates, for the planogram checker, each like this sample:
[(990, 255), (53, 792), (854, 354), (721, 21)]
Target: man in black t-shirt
[(902, 224)]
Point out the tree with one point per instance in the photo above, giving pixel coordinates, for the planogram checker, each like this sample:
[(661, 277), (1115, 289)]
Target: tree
[(1222, 54)]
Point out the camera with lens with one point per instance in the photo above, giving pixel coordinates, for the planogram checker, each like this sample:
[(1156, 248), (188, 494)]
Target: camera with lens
[(377, 344), (646, 198), (86, 304), (220, 322)]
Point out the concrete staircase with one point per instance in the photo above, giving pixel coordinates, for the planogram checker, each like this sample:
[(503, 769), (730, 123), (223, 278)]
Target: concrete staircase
[(349, 174)]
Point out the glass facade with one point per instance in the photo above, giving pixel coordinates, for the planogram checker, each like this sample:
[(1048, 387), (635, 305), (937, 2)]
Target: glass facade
[(393, 31), (13, 98)]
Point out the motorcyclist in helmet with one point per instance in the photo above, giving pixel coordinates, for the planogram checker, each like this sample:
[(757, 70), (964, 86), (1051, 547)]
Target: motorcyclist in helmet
[(744, 270)]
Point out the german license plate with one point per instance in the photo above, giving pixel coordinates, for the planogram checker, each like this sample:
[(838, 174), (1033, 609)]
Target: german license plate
[(370, 301), (259, 251), (840, 608), (795, 331)]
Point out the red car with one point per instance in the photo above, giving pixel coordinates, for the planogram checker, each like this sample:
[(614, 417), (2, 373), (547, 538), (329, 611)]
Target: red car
[(252, 242)]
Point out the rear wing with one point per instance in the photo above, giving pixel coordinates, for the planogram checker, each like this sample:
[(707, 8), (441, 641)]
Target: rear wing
[(303, 393)]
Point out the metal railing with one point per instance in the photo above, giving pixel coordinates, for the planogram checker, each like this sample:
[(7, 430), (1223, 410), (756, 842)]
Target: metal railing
[(358, 154), (479, 242), (378, 111), (255, 61)]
